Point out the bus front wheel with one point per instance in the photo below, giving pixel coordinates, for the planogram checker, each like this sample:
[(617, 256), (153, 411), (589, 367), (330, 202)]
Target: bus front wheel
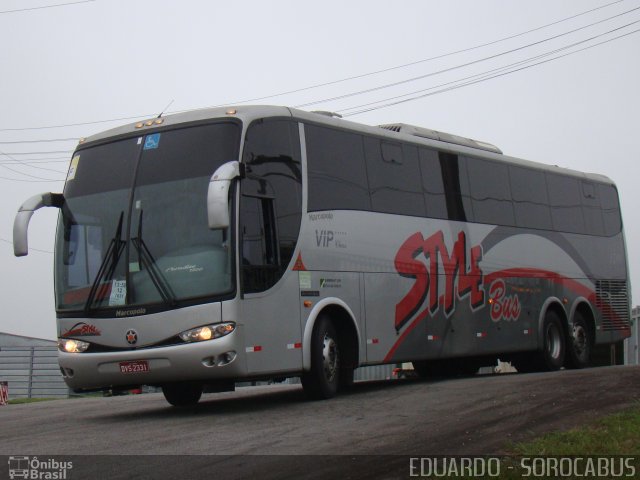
[(182, 394), (321, 382), (552, 355)]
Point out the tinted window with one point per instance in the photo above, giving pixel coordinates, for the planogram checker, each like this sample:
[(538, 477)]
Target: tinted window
[(490, 192), (337, 172), (566, 203), (105, 168), (610, 209), (432, 184), (530, 202), (591, 209), (271, 202), (394, 178)]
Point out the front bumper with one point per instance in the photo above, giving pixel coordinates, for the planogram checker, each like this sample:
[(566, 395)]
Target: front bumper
[(199, 361)]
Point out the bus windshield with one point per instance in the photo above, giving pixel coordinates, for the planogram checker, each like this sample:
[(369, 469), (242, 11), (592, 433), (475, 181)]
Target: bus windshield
[(133, 230)]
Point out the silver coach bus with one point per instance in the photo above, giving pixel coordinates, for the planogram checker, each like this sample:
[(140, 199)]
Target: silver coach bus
[(219, 245)]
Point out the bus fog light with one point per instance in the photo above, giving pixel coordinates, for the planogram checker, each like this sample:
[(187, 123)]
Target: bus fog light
[(72, 346), (209, 362), (207, 332), (226, 358)]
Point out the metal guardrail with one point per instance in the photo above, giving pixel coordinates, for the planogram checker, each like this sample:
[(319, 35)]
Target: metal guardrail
[(32, 372)]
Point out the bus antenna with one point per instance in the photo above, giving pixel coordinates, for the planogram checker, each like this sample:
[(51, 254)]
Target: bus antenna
[(165, 109)]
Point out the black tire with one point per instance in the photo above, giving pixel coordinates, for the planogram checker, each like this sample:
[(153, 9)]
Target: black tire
[(182, 394), (579, 343), (321, 382), (552, 355), (553, 345)]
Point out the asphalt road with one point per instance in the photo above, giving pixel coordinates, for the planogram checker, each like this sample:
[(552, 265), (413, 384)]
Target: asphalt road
[(470, 416)]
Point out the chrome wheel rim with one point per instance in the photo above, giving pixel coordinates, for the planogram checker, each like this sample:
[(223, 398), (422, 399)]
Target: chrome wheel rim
[(330, 358), (579, 340)]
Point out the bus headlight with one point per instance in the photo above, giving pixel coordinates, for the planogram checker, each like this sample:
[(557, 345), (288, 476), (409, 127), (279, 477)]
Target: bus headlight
[(72, 346), (207, 332)]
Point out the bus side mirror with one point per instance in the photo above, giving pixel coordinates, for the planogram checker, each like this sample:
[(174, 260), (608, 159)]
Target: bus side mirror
[(25, 212), (218, 194)]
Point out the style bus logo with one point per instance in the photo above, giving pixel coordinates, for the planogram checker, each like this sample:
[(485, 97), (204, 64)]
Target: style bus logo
[(36, 469), (422, 259)]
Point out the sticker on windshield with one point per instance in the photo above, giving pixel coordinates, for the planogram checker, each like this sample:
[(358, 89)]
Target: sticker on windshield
[(152, 141), (73, 168), (118, 292)]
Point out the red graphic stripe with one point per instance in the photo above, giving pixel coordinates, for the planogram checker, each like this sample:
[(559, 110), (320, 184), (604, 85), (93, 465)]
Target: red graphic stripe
[(568, 283)]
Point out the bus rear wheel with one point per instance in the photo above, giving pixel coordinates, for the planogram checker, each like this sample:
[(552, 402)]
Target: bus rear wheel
[(182, 394), (579, 343), (321, 382)]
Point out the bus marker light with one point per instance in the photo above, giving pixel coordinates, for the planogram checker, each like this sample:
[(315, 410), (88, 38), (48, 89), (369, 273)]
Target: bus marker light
[(307, 303), (231, 111), (255, 348), (432, 337), (294, 346), (481, 334), (373, 341)]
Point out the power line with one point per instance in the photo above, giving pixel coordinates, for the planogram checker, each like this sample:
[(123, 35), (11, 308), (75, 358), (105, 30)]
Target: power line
[(437, 57), (455, 87), (333, 82), (23, 173), (50, 152), (46, 6), (490, 73), (30, 248), (30, 181), (39, 160), (457, 67), (16, 142)]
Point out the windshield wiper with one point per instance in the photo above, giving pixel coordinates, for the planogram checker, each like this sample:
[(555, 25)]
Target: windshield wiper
[(146, 260), (108, 265)]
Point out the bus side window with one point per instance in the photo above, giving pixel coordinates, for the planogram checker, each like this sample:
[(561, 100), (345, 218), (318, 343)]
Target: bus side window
[(394, 178), (565, 202), (530, 200), (270, 203), (610, 209), (259, 243), (591, 209)]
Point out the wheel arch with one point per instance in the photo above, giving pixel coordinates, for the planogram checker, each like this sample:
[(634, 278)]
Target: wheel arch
[(344, 322)]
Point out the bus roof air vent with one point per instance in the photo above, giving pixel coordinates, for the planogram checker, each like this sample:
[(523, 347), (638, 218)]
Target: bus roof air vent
[(441, 136)]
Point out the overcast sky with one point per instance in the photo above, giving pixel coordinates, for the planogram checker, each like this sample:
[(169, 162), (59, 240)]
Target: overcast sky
[(110, 59)]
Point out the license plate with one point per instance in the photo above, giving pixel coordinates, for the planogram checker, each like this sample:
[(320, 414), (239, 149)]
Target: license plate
[(136, 366)]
